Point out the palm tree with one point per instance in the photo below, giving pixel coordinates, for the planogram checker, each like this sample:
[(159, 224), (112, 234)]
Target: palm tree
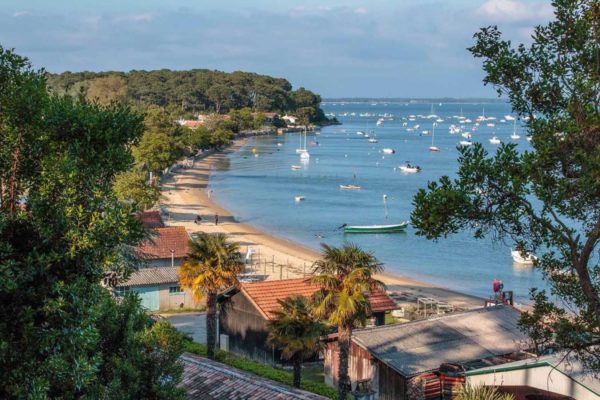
[(469, 392), (296, 332), (345, 275), (212, 265)]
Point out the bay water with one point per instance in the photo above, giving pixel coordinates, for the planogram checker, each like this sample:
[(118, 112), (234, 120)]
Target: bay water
[(258, 185)]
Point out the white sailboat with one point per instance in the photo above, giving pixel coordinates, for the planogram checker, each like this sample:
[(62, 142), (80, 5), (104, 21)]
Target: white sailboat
[(302, 148), (432, 147), (515, 135), (354, 186), (520, 259)]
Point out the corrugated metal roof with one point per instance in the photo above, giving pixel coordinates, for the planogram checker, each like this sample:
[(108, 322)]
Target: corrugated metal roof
[(152, 276), (204, 379), (421, 346), (265, 294)]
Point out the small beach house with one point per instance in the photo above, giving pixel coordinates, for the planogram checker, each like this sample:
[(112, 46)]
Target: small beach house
[(428, 356), (158, 284), (553, 377), (245, 312)]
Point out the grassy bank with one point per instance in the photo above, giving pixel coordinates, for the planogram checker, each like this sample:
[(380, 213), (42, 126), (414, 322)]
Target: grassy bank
[(310, 382)]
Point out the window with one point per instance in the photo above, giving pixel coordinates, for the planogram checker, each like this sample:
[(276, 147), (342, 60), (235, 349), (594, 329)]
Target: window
[(175, 290), (121, 290)]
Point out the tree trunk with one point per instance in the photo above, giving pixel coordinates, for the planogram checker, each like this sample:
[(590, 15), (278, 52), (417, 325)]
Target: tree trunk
[(344, 335), (297, 370), (211, 324)]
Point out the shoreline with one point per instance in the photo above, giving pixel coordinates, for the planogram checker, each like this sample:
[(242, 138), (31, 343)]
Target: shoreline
[(185, 195)]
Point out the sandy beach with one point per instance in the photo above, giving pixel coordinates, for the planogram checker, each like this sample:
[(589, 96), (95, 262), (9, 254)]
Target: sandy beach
[(185, 196)]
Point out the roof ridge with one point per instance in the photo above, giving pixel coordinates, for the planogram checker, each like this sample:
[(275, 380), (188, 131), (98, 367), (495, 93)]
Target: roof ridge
[(421, 321)]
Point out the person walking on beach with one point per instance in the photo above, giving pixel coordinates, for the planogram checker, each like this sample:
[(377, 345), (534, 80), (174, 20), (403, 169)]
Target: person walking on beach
[(216, 219)]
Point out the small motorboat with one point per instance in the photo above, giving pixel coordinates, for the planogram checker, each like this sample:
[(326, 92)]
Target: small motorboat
[(434, 148), (349, 187), (466, 135), (296, 167), (519, 259), (372, 140), (465, 143), (393, 228), (388, 151), (495, 140), (360, 133), (298, 199), (410, 169)]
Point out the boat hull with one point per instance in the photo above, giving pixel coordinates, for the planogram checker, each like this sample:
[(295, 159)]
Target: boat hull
[(376, 228)]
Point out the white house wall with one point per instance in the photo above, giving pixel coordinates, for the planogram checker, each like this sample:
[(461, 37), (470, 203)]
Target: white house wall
[(543, 377)]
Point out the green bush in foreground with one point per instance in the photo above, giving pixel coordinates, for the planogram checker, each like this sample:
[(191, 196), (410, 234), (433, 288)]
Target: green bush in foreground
[(265, 371)]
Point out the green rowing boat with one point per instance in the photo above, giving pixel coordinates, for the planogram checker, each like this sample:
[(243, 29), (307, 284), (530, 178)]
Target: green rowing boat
[(395, 228)]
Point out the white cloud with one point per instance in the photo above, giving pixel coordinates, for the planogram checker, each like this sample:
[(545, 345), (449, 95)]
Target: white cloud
[(515, 11), (19, 13), (360, 11)]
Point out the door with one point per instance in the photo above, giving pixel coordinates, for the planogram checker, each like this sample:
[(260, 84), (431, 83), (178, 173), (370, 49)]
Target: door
[(149, 297)]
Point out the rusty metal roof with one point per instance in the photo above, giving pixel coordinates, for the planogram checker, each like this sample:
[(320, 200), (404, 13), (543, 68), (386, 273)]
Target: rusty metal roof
[(422, 346), (204, 379)]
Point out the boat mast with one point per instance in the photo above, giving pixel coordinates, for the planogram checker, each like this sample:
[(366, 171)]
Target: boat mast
[(385, 206)]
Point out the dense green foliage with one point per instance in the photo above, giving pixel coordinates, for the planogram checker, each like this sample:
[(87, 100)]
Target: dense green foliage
[(469, 392), (296, 332), (61, 228), (132, 187), (547, 199), (266, 371), (193, 91)]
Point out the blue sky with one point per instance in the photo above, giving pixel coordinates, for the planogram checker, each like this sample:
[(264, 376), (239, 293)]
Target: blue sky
[(378, 48)]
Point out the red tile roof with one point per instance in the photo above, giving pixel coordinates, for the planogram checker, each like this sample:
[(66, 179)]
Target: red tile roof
[(150, 219), (265, 294), (166, 239), (204, 379)]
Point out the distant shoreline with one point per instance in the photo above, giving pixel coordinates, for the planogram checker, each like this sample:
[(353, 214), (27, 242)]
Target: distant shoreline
[(413, 100)]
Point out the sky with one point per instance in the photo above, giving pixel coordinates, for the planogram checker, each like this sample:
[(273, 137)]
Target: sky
[(337, 48)]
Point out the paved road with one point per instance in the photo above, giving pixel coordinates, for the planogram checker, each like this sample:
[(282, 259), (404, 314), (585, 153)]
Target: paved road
[(193, 324)]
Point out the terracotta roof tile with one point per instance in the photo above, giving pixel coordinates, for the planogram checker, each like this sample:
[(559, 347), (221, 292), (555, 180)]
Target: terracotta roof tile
[(265, 294), (204, 379), (166, 239), (150, 219)]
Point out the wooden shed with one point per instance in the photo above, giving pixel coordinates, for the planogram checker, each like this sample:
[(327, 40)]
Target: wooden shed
[(429, 356), (245, 312)]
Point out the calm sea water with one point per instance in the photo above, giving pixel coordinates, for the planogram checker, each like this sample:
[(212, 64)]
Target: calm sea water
[(258, 185)]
